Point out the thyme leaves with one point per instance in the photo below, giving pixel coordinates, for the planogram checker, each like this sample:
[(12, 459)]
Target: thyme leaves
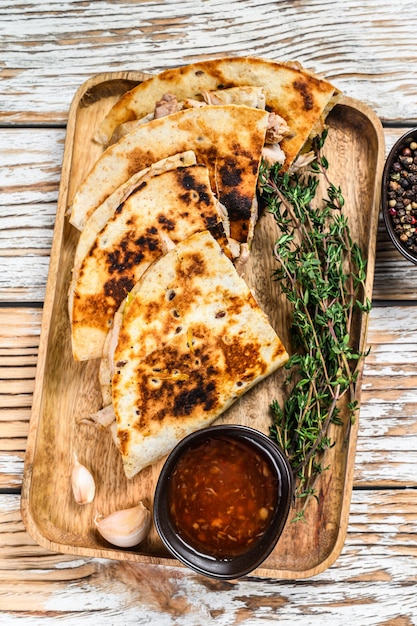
[(322, 273)]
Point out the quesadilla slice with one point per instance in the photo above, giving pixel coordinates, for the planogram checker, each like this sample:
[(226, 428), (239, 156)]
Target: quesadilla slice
[(105, 211), (298, 96), (173, 204), (227, 139), (248, 96), (192, 340)]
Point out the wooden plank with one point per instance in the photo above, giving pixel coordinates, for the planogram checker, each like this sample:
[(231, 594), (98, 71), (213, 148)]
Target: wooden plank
[(19, 341), (25, 283), (29, 181), (388, 419), (30, 171), (394, 277), (28, 192), (372, 582), (388, 425), (43, 67)]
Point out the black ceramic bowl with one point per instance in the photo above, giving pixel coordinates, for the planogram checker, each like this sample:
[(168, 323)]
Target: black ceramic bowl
[(202, 560), (396, 216)]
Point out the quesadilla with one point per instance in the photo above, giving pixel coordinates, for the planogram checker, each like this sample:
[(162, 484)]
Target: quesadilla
[(192, 340), (227, 139), (248, 96), (105, 211), (173, 204), (298, 96)]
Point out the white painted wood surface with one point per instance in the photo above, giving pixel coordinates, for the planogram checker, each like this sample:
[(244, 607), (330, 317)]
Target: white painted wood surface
[(48, 48), (51, 47)]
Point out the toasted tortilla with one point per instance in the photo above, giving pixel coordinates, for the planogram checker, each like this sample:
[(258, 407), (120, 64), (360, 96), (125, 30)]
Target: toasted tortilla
[(105, 211), (227, 139), (248, 96), (299, 96), (173, 204), (192, 341)]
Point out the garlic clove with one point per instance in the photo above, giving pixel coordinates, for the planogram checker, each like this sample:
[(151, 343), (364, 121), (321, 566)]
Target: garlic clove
[(125, 528), (82, 482)]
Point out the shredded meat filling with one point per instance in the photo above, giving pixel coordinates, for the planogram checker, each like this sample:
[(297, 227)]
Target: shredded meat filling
[(273, 153), (166, 105), (277, 129)]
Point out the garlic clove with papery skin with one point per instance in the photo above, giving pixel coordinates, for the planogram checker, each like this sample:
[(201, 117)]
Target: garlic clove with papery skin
[(125, 528), (82, 482)]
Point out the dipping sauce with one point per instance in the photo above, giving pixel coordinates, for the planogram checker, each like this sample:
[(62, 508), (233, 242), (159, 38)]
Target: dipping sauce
[(222, 496)]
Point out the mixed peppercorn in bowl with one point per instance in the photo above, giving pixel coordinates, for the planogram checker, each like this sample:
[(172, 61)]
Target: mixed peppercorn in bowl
[(399, 195)]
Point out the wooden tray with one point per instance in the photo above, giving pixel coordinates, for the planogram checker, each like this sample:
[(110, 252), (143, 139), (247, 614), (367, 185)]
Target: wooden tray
[(66, 391)]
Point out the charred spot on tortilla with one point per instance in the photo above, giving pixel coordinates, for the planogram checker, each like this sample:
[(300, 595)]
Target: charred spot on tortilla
[(125, 258), (170, 295), (230, 173), (189, 389), (189, 182), (242, 208), (303, 88), (192, 264), (216, 228), (202, 395), (165, 222), (123, 437), (118, 288), (242, 359)]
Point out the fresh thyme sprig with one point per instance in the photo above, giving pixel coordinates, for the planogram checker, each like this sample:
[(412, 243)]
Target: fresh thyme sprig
[(322, 273)]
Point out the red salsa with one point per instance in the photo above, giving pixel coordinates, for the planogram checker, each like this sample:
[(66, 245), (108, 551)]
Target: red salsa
[(222, 496)]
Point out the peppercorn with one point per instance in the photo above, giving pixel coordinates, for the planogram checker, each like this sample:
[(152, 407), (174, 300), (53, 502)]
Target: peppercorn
[(402, 195)]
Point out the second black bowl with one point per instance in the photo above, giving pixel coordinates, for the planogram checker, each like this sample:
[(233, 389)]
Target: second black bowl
[(205, 561), (399, 195)]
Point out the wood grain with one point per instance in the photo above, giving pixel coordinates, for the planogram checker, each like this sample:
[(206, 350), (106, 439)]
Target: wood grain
[(52, 47), (388, 423), (372, 582), (28, 197)]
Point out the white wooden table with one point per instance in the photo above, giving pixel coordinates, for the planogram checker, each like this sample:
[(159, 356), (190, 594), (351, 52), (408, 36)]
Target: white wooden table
[(369, 50)]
